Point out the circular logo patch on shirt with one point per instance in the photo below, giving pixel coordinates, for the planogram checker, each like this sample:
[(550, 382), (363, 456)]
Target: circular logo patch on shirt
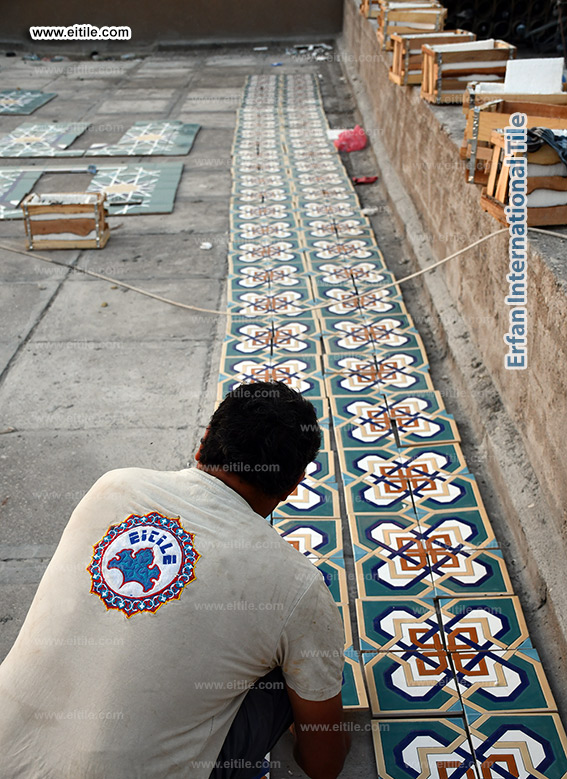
[(142, 563)]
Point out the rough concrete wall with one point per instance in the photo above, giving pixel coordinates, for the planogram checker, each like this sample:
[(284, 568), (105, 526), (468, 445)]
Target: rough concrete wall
[(179, 20), (426, 157)]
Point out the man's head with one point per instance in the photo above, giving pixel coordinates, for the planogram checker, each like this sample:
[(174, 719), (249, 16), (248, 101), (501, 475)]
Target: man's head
[(265, 433)]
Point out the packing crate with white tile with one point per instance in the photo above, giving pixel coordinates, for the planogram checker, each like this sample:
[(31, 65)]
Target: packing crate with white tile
[(406, 68), (546, 185), (447, 68), (66, 220), (538, 80), (396, 17), (483, 119)]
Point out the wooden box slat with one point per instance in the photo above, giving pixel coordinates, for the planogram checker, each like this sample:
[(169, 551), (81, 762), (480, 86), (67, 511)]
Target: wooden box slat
[(406, 67), (444, 84), (495, 195), (482, 120), (84, 222), (394, 20)]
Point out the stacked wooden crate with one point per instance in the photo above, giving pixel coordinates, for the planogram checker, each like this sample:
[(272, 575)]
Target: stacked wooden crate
[(407, 17), (447, 68), (483, 119), (537, 80), (369, 8), (546, 185), (406, 68)]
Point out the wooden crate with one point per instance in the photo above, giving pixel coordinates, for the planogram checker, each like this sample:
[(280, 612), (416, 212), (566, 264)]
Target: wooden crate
[(472, 98), (406, 65), (482, 120), (548, 188), (66, 220), (369, 8), (448, 68), (538, 80), (400, 18)]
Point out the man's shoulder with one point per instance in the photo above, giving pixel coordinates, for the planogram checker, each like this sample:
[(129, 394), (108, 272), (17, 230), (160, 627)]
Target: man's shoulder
[(127, 481)]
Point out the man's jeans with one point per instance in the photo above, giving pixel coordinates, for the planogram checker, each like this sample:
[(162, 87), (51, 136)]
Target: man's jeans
[(264, 716)]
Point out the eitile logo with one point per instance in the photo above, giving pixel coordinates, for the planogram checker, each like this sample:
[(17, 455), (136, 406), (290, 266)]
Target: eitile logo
[(142, 563)]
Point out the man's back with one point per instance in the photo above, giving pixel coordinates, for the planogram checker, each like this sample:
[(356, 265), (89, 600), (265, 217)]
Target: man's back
[(94, 687)]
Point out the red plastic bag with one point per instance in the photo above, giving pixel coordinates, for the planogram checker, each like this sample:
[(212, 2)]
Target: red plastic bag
[(352, 140)]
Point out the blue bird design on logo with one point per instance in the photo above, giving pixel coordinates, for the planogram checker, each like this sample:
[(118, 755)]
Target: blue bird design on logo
[(137, 567)]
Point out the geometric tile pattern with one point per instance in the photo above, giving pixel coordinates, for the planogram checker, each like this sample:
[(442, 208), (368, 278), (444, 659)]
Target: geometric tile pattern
[(130, 189), (138, 189), (532, 746), (442, 643), (23, 101), (14, 186), (150, 138), (42, 140)]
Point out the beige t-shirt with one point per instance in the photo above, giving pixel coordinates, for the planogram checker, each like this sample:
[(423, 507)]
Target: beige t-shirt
[(167, 597)]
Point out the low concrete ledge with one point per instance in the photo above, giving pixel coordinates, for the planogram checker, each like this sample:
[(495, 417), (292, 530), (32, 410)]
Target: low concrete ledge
[(518, 417)]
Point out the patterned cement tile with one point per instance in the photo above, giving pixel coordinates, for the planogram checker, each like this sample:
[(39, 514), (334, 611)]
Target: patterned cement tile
[(294, 302), (243, 196), (397, 624), (532, 746), (14, 186), (281, 336), (138, 189), (453, 531), (378, 336), (339, 302), (354, 691), (395, 421), (483, 624), (346, 272), (317, 539), (413, 570), (267, 277), (42, 140), (410, 683), (333, 570), (161, 138), (263, 253), (496, 681), (357, 228), (316, 495), (373, 375), (437, 535), (23, 101), (429, 478), (423, 749), (301, 373), (261, 214)]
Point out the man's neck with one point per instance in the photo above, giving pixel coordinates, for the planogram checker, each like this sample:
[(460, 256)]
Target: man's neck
[(259, 502)]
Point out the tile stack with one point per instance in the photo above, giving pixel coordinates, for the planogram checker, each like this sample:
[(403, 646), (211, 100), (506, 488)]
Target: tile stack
[(456, 688)]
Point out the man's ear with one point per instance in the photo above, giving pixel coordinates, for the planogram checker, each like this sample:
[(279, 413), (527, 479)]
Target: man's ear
[(198, 452), (287, 494)]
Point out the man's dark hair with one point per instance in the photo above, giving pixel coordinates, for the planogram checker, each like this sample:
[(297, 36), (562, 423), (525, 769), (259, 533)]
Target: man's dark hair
[(264, 432)]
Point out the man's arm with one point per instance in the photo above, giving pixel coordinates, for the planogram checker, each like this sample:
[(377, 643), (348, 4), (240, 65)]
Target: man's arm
[(321, 742)]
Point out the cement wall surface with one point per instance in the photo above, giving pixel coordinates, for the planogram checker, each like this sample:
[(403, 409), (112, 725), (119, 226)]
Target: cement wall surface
[(176, 20), (421, 143)]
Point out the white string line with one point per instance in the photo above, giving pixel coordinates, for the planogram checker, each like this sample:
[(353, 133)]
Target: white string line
[(189, 307)]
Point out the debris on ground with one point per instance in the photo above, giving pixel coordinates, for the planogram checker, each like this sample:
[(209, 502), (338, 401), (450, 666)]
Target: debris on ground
[(316, 51), (352, 140), (364, 179)]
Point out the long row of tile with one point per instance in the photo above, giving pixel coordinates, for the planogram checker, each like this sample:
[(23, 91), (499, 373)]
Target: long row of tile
[(455, 685)]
